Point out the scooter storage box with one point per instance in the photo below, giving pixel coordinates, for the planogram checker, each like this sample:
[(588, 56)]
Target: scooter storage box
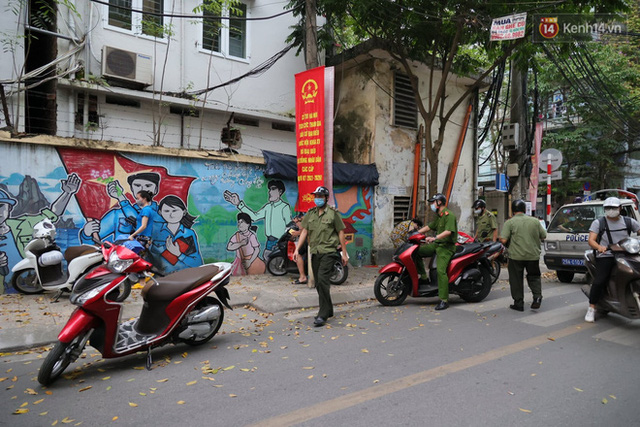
[(50, 258)]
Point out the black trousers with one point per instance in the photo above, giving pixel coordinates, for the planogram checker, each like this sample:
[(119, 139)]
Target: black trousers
[(322, 265), (604, 265), (516, 279)]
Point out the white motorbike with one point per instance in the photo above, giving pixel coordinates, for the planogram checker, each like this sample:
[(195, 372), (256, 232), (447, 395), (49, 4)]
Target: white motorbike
[(42, 269)]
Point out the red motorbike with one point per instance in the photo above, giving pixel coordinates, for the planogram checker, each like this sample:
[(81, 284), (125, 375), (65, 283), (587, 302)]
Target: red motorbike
[(176, 309), (495, 258), (469, 273)]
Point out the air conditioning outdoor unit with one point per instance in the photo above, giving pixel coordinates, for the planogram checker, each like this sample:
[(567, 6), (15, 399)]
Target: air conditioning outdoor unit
[(128, 66)]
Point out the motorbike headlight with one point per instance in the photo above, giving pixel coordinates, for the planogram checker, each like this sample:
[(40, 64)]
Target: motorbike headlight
[(118, 265), (80, 299), (551, 246), (631, 245)]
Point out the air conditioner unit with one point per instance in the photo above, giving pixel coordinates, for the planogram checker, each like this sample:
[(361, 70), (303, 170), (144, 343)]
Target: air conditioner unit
[(128, 66)]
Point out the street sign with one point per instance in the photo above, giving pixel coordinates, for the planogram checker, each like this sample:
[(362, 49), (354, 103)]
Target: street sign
[(501, 182), (556, 159), (555, 175)]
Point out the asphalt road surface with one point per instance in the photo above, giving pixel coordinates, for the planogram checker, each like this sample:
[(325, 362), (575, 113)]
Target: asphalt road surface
[(472, 365)]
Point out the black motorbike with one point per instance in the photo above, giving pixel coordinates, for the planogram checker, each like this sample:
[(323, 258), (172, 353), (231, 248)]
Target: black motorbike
[(622, 294), (280, 260)]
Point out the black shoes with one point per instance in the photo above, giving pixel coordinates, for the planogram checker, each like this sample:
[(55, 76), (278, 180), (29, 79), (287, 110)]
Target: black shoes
[(442, 305), (536, 302), (319, 321), (516, 307)]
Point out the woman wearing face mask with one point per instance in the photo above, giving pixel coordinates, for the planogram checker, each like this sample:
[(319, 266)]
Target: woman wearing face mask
[(605, 231), (144, 221)]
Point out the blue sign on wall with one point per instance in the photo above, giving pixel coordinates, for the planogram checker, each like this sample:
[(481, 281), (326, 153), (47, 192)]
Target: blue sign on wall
[(501, 182)]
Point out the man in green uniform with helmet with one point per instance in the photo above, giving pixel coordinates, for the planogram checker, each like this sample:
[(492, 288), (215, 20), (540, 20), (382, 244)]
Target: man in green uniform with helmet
[(486, 224), (523, 234), (443, 245)]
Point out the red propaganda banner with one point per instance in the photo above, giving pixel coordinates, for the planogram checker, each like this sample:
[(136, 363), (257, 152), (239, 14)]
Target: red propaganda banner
[(309, 134)]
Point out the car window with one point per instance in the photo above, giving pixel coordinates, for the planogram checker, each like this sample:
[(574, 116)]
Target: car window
[(575, 219), (627, 211)]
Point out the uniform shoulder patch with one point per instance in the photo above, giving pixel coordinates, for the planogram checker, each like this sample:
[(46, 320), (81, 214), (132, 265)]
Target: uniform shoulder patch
[(446, 212)]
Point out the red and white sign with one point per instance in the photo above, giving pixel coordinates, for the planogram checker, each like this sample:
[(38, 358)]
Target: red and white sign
[(310, 130), (509, 27)]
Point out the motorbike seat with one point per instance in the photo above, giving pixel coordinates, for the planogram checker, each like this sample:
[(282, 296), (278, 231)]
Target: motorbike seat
[(495, 246), (74, 252), (178, 283), (467, 248)]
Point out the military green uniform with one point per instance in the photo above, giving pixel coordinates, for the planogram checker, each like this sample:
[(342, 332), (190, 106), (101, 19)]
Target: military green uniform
[(485, 224), (323, 236), (524, 235), (443, 248)]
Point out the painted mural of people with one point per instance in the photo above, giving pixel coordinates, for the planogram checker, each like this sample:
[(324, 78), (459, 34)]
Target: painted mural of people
[(9, 253), (22, 225), (245, 243), (175, 244), (121, 220), (276, 213)]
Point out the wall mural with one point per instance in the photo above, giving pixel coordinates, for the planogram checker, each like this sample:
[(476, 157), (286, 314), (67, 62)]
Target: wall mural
[(205, 211)]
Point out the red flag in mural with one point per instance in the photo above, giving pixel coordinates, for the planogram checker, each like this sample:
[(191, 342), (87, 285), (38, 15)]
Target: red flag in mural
[(107, 174), (309, 134)]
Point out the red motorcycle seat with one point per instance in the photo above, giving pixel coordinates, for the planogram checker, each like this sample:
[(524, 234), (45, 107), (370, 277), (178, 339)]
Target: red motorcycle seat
[(176, 284)]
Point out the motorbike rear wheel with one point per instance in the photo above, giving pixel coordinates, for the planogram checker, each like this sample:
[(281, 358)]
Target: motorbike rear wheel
[(277, 265), (340, 273), (215, 324), (390, 290), (60, 356), (26, 282), (481, 292)]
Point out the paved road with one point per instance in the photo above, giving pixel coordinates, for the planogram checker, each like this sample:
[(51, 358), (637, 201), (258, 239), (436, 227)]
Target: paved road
[(472, 365)]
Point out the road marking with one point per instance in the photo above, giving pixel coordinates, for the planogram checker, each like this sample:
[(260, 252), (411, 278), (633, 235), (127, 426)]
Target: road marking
[(627, 335), (371, 393), (555, 316), (499, 303)]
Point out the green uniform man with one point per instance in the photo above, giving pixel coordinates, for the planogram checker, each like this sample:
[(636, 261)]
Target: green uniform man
[(486, 224), (523, 235), (443, 245)]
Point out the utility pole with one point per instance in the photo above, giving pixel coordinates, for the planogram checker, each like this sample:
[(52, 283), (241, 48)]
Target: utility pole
[(517, 155), (311, 37)]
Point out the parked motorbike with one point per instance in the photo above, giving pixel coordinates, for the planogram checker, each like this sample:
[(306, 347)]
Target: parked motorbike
[(176, 308), (495, 258), (622, 295), (41, 269), (469, 273), (280, 260)]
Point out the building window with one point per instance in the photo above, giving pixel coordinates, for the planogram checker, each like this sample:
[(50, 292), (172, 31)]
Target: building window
[(93, 119), (405, 111), (401, 208), (228, 37), (148, 23)]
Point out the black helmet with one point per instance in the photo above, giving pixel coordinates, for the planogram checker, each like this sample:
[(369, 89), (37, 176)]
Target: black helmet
[(323, 191), (438, 197), (479, 204), (518, 206)]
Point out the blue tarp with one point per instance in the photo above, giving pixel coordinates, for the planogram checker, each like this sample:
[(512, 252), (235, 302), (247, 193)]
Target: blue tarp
[(285, 166)]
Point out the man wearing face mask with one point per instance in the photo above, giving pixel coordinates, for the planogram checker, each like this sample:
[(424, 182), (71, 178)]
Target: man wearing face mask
[(486, 224), (144, 220), (606, 231), (325, 229), (443, 245)]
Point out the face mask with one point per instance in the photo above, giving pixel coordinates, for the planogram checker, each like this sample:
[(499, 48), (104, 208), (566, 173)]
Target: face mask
[(140, 202), (434, 207), (612, 213), (477, 211), (319, 201)]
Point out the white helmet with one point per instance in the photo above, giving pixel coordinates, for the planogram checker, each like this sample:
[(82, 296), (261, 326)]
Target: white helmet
[(44, 230), (612, 202)]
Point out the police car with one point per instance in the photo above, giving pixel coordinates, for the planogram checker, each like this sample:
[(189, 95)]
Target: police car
[(568, 232)]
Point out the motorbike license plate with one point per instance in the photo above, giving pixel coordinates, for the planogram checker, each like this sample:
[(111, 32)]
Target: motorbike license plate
[(571, 261)]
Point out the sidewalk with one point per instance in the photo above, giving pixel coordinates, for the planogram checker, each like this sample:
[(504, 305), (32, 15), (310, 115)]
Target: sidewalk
[(28, 321)]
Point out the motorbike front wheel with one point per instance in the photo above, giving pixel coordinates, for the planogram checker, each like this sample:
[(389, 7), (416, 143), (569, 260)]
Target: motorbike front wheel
[(58, 359), (390, 290), (340, 273), (214, 324), (26, 281), (277, 265)]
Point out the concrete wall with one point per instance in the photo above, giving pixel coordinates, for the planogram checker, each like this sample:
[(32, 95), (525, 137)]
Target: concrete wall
[(368, 108), (87, 192)]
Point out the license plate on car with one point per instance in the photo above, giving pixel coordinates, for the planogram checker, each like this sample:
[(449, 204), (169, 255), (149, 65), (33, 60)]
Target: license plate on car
[(572, 261)]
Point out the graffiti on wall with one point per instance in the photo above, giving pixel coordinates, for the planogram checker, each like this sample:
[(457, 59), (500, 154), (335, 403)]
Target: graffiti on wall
[(203, 211)]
